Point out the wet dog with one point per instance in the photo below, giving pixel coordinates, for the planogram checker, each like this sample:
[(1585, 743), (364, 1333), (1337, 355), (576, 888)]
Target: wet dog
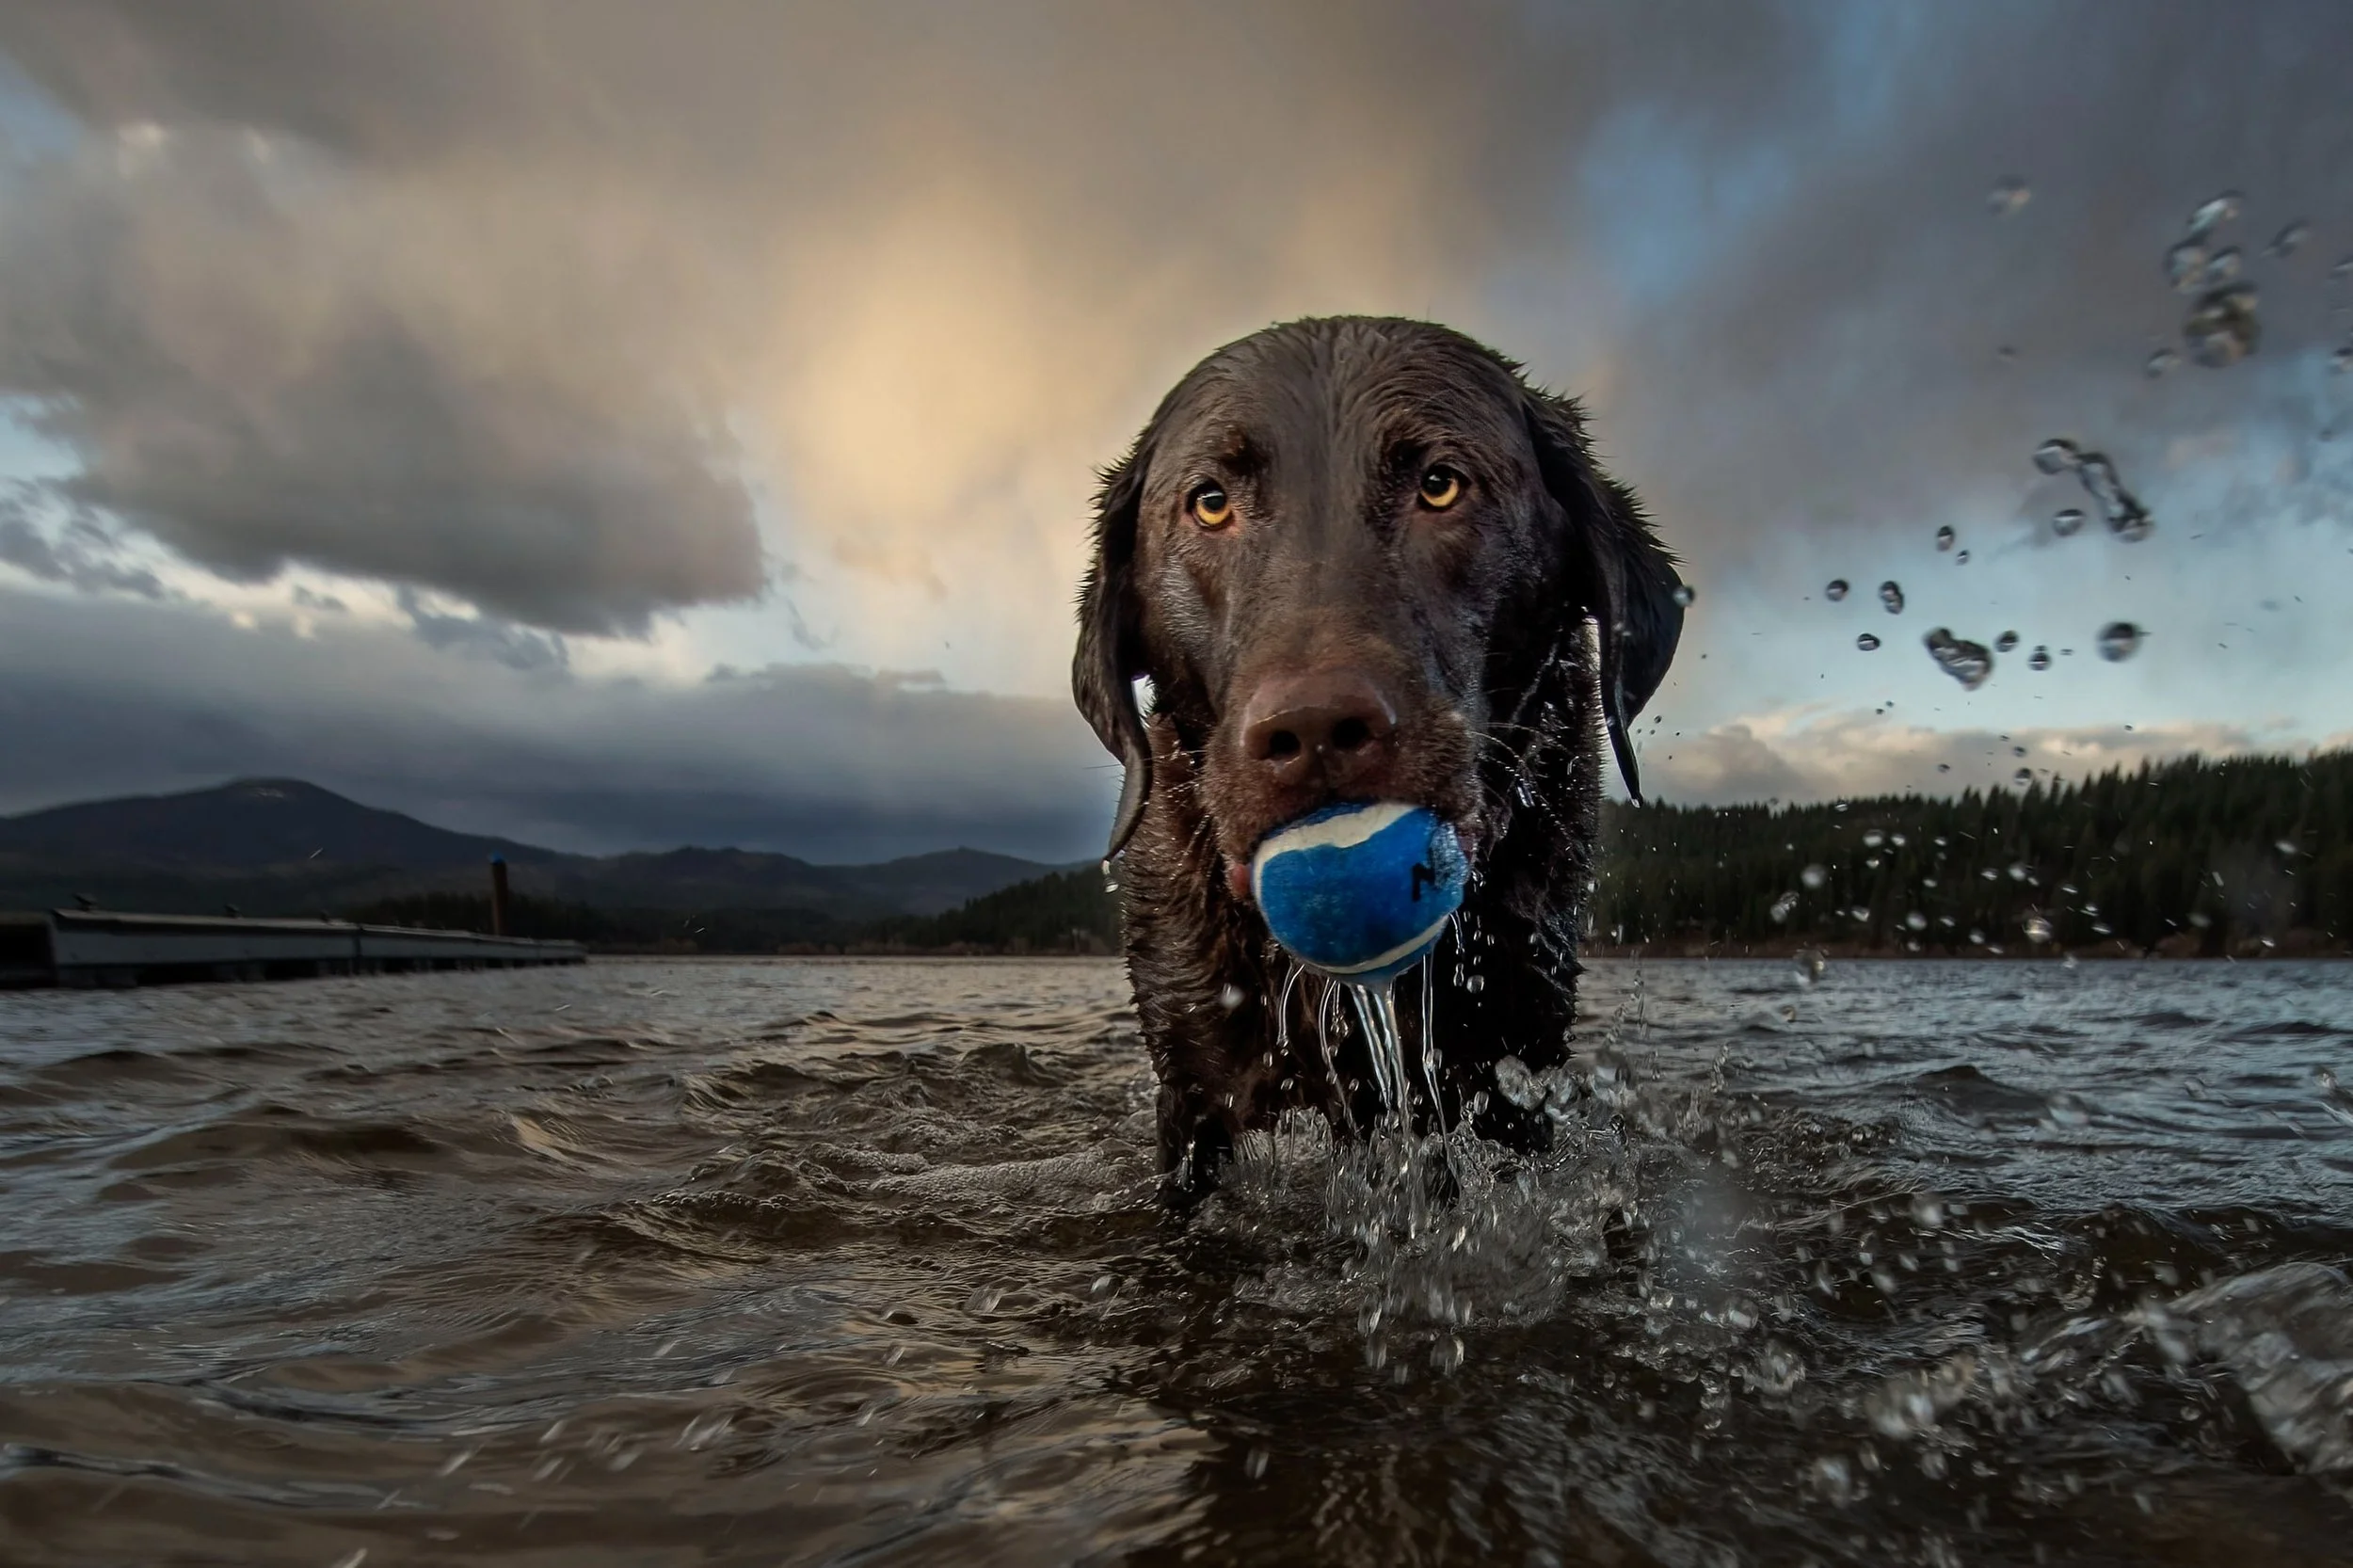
[(1361, 559)]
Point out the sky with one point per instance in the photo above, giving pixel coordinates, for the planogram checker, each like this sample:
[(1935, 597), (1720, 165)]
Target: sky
[(620, 426)]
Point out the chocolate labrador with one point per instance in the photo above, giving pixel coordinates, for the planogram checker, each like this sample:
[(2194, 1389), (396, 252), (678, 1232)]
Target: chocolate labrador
[(1360, 559)]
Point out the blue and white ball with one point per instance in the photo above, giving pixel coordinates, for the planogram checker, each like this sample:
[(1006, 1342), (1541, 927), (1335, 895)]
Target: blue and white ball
[(1360, 890)]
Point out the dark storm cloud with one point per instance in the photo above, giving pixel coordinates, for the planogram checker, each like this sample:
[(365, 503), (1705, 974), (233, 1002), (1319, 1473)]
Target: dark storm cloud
[(106, 696), (547, 306)]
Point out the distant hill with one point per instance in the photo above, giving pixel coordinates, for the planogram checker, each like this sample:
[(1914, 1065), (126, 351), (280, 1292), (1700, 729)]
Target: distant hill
[(283, 846)]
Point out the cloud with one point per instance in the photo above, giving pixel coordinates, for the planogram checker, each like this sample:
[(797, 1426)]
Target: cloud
[(110, 697), (82, 554)]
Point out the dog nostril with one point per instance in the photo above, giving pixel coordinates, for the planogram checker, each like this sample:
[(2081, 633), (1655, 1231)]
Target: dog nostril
[(1280, 745), (1350, 734)]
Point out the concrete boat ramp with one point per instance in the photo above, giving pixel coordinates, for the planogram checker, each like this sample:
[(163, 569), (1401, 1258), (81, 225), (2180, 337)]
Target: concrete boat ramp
[(87, 948)]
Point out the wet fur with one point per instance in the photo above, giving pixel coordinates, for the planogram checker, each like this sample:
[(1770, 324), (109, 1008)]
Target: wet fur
[(1514, 698)]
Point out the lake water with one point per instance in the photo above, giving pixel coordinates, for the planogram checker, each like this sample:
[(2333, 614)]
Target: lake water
[(700, 1262)]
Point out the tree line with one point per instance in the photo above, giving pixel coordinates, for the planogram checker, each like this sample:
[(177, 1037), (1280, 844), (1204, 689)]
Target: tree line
[(2191, 856)]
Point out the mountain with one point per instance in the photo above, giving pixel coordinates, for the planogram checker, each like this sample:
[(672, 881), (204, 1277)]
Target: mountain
[(282, 846)]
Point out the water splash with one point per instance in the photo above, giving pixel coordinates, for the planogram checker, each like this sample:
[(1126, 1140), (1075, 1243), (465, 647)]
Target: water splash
[(1968, 662)]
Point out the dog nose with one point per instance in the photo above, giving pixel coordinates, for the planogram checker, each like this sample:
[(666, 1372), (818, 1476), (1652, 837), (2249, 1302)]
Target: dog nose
[(1329, 724)]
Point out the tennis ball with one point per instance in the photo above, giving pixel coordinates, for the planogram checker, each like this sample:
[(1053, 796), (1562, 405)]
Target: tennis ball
[(1359, 891)]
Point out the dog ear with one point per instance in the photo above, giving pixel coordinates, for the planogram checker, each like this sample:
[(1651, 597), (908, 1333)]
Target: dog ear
[(1623, 577), (1111, 642)]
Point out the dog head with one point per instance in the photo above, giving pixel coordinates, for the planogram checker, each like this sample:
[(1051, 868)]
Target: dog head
[(1336, 548)]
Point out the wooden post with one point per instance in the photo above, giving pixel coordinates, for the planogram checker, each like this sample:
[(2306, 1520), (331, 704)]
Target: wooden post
[(498, 896)]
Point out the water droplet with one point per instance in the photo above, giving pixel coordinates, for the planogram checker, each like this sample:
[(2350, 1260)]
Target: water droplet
[(1813, 876), (1867, 642), (2023, 778), (1966, 662), (2223, 327), (2039, 660), (1873, 837), (2118, 641), (2127, 518), (2185, 264), (1683, 594), (2215, 212), (1229, 998), (2020, 870), (2067, 521), (1833, 1477), (1809, 966), (1916, 920), (2163, 360), (2037, 928), (1944, 537), (2006, 641), (1835, 589), (1517, 1083), (2286, 242), (2341, 360), (1254, 1466), (1892, 596), (1475, 984), (2057, 456), (2285, 846), (2221, 267), (2008, 196), (1784, 907)]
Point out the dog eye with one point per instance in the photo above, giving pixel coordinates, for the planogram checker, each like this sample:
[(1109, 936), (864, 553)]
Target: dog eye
[(1441, 487), (1211, 506)]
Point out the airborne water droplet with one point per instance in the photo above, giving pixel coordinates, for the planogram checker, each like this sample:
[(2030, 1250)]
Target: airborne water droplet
[(1944, 537), (1891, 595), (2185, 264), (2037, 928), (2215, 212), (2067, 522), (2284, 243), (2161, 361), (2118, 641), (2006, 641), (2008, 196), (1784, 907), (2221, 267), (1683, 594), (2223, 327), (1867, 642), (1813, 876), (2023, 778), (1966, 662), (2057, 456), (2039, 660), (1835, 589)]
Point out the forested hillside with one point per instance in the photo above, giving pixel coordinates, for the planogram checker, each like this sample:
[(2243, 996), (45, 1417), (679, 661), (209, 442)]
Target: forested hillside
[(2193, 857)]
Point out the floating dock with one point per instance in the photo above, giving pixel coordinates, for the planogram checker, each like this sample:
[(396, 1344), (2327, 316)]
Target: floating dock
[(96, 946)]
